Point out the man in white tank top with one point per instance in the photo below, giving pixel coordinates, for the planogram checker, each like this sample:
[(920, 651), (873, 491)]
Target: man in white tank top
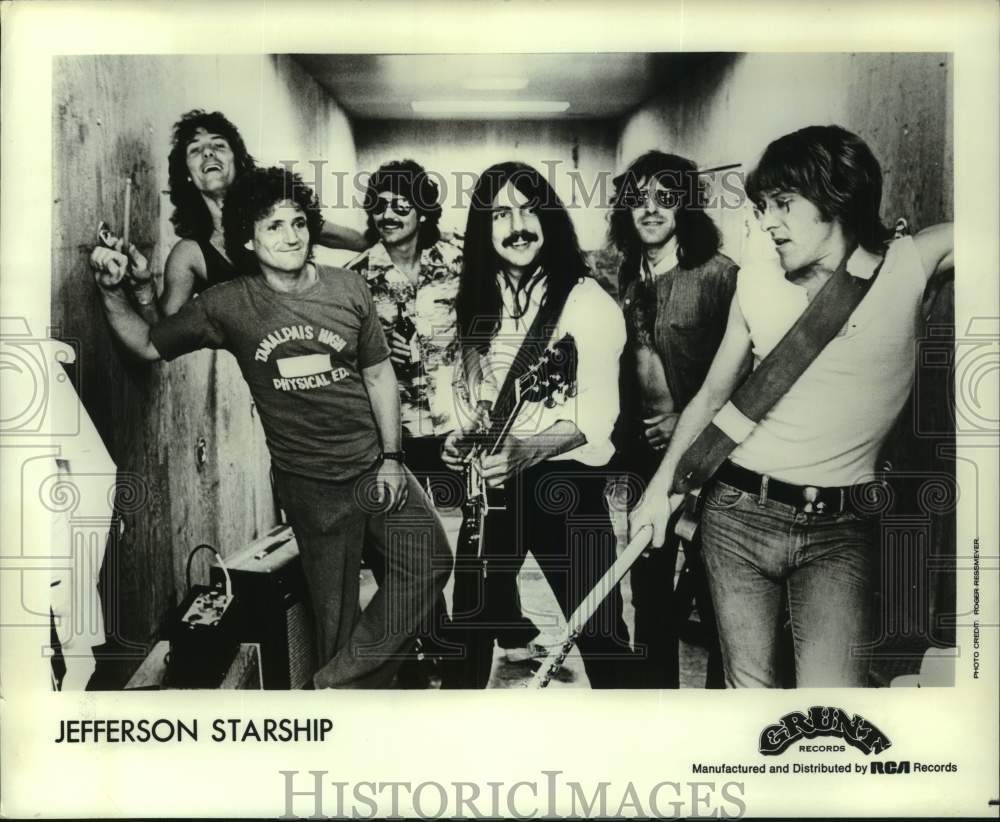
[(780, 522)]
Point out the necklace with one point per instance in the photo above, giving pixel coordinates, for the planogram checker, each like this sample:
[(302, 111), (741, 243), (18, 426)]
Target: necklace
[(520, 310)]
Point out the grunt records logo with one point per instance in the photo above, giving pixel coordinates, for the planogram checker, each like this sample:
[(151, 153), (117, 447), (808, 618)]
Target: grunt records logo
[(822, 721)]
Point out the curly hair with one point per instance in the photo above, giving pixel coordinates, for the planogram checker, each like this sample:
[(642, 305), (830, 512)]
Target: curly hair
[(254, 195), (409, 179), (479, 304), (698, 238), (191, 217), (832, 168)]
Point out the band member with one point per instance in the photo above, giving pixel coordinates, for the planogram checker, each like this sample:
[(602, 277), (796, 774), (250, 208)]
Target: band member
[(413, 274), (207, 155), (675, 288), (522, 258), (782, 518), (312, 351)]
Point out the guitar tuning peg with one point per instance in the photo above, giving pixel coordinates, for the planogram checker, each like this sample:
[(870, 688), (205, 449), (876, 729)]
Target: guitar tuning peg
[(571, 390), (550, 402)]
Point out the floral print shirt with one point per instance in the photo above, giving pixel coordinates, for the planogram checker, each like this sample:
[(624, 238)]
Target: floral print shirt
[(427, 402)]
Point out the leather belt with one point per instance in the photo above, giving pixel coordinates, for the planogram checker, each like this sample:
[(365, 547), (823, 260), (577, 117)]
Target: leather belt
[(808, 499)]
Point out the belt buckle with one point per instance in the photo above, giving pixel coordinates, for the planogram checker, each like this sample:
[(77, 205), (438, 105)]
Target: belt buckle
[(811, 502)]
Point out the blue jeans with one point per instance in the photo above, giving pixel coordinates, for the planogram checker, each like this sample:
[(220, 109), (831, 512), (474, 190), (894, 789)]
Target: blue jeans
[(757, 555)]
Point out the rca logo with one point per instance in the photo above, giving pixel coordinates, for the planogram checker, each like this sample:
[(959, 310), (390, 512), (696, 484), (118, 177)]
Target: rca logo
[(891, 767)]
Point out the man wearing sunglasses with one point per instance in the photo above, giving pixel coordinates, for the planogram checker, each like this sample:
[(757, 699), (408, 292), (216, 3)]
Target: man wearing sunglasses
[(788, 518), (675, 288), (413, 274)]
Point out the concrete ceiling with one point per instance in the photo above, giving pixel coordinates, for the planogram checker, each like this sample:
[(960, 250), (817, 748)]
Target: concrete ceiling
[(596, 85)]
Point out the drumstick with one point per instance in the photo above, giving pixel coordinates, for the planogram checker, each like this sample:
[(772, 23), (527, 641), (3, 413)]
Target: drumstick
[(128, 214)]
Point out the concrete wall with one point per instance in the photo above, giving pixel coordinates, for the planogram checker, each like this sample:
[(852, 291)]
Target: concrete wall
[(113, 115), (730, 108), (580, 155)]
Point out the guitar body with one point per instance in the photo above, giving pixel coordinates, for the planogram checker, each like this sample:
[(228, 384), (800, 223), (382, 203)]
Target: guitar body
[(470, 604), (484, 518)]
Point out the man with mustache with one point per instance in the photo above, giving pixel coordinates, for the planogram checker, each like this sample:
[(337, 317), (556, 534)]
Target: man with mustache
[(675, 289), (310, 346), (413, 271), (784, 518), (522, 260)]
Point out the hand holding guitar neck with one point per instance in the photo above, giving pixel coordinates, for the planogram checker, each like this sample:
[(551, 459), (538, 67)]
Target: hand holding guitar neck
[(590, 603)]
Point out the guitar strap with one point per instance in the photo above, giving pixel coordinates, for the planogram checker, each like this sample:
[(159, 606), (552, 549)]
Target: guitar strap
[(825, 315), (536, 340)]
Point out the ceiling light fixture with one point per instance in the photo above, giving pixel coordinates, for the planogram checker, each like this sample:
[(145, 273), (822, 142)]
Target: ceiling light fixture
[(496, 83), (489, 106)]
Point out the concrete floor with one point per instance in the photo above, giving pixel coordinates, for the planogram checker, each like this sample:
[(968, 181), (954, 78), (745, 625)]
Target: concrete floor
[(538, 603)]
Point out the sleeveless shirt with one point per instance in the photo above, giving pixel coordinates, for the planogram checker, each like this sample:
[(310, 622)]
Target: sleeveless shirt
[(828, 429)]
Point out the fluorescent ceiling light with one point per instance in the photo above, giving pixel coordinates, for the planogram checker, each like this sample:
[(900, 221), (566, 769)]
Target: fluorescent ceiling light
[(496, 83), (489, 106)]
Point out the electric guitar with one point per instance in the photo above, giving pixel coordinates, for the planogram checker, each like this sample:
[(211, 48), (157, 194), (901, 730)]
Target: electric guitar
[(685, 518), (551, 380)]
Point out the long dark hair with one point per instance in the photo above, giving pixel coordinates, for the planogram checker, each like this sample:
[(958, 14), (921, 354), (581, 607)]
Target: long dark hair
[(406, 178), (832, 168), (191, 217), (479, 304), (698, 238)]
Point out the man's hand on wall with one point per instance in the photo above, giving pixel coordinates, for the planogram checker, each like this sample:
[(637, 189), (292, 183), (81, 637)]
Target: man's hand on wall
[(110, 265)]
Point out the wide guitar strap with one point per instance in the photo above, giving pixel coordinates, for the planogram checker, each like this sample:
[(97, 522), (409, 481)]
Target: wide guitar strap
[(825, 315), (535, 342)]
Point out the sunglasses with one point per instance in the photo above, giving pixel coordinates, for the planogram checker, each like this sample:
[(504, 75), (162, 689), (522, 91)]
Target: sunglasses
[(663, 197), (400, 205)]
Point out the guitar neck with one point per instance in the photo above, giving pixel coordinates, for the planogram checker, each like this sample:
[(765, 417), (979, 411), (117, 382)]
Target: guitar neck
[(490, 440)]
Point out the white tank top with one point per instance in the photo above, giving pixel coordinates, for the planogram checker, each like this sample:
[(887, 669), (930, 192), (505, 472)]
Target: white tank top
[(828, 428)]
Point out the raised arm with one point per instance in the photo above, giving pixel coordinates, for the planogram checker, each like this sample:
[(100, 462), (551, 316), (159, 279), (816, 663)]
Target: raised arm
[(332, 235), (728, 370), (131, 329), (185, 264), (936, 246)]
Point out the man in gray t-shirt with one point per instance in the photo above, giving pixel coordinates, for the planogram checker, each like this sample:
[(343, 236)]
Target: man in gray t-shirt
[(313, 353)]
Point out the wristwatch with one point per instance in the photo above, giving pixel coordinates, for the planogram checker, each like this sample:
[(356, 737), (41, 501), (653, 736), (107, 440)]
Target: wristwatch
[(398, 456)]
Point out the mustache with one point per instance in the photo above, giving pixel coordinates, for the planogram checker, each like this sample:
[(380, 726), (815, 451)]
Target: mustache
[(520, 236), (390, 223)]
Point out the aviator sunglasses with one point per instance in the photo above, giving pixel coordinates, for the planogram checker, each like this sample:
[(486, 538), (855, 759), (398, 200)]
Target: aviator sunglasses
[(400, 205)]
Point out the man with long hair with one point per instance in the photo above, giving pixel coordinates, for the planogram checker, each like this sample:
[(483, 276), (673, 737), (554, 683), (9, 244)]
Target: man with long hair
[(675, 288), (413, 274), (523, 270), (207, 155), (311, 348), (784, 517)]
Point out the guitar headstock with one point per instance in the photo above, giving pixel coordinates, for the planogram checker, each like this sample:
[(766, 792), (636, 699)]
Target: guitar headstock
[(552, 379)]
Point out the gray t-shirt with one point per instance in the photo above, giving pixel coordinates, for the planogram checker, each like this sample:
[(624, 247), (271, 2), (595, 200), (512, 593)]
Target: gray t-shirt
[(302, 355)]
